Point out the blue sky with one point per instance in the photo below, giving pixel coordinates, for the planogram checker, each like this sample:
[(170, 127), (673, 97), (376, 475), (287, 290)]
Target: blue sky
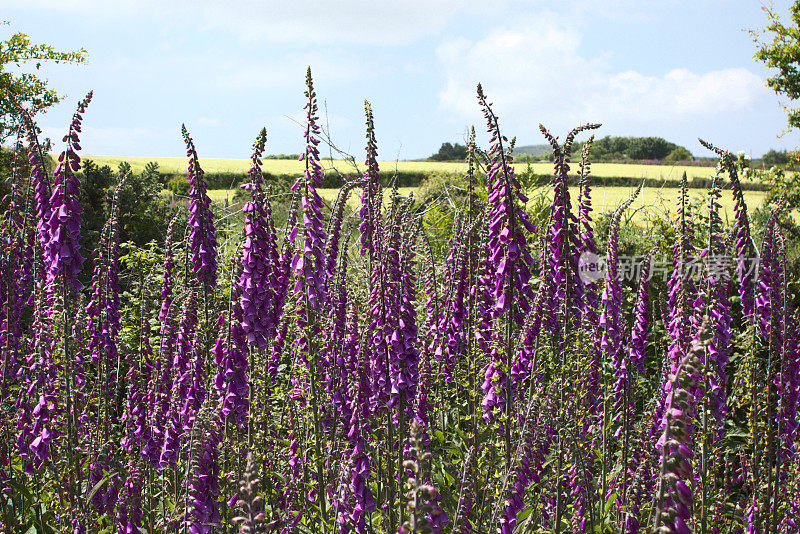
[(669, 68)]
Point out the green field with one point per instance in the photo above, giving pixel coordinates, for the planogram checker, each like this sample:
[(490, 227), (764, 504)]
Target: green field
[(290, 166)]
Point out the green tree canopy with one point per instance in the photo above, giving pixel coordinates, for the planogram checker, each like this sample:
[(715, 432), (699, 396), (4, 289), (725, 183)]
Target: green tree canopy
[(779, 48), (678, 155), (775, 158), (450, 152), (26, 90), (610, 148)]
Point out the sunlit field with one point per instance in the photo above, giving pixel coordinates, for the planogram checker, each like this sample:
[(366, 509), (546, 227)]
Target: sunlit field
[(290, 166), (650, 202)]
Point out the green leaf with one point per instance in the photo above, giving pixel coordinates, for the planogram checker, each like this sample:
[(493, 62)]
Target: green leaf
[(609, 503), (97, 487), (524, 513)]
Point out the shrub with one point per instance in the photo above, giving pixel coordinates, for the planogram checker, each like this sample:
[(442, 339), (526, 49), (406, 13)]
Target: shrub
[(679, 155), (178, 184)]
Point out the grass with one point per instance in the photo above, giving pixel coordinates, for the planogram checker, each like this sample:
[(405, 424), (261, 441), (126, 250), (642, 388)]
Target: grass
[(289, 166)]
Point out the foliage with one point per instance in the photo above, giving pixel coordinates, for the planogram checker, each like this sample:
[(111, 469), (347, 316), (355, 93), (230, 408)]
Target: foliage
[(179, 185), (775, 158), (678, 154), (294, 157), (779, 48), (610, 148), (782, 185), (440, 367), (450, 152), (96, 187), (141, 214), (27, 90)]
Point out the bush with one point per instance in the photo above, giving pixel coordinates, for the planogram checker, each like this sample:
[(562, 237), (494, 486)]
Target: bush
[(179, 185), (775, 158), (678, 155), (450, 152)]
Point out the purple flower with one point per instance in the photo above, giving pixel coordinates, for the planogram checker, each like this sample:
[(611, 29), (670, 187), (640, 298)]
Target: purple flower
[(675, 494), (129, 507), (62, 255), (371, 224), (178, 415), (537, 441), (16, 262), (102, 311), (509, 257), (308, 262), (167, 274), (202, 234), (403, 340), (637, 347), (454, 318), (203, 490), (231, 381), (261, 279), (744, 248), (788, 390), (357, 431), (610, 319), (682, 295)]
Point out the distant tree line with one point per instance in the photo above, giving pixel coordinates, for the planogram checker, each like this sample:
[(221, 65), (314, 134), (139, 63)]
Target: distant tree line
[(450, 152), (776, 158), (615, 148), (605, 149)]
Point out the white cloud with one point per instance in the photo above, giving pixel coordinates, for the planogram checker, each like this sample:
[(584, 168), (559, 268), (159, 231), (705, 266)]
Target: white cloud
[(286, 72), (535, 72), (680, 92)]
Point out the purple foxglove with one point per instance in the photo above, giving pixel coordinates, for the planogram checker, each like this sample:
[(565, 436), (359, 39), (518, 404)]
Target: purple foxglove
[(202, 234), (259, 282), (308, 262), (62, 253), (371, 224)]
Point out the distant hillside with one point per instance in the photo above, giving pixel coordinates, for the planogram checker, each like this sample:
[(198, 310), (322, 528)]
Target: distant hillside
[(532, 150)]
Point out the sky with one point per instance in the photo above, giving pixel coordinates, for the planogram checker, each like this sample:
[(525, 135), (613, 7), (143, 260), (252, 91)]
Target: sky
[(668, 68)]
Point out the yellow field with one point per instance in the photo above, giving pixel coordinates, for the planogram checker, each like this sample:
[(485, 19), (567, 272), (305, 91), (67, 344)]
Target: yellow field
[(329, 195), (289, 166), (652, 202)]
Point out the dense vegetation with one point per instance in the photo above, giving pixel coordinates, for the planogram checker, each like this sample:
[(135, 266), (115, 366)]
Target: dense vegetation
[(450, 152), (453, 365), (610, 148), (605, 149)]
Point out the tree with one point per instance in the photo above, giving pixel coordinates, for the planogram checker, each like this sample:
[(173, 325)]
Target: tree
[(775, 158), (779, 48), (26, 90), (650, 148), (678, 155), (629, 148), (449, 152)]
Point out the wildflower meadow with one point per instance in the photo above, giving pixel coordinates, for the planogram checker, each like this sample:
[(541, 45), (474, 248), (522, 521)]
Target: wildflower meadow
[(352, 371)]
